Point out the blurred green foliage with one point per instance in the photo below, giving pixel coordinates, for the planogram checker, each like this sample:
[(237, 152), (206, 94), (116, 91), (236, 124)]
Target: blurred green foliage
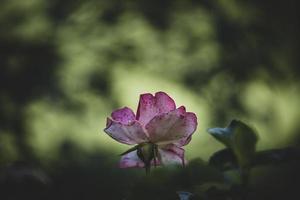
[(65, 65)]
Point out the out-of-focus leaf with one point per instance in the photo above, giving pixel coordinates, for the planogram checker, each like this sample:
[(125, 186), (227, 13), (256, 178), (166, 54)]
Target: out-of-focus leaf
[(198, 172), (200, 189), (223, 159), (233, 177), (212, 190), (277, 156), (226, 160), (222, 134), (238, 137), (243, 142)]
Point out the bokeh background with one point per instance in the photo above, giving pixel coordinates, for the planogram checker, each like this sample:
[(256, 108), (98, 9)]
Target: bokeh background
[(65, 65)]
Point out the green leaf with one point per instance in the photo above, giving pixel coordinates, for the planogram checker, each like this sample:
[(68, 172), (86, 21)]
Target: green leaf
[(223, 160), (244, 143), (221, 134), (238, 137), (200, 189)]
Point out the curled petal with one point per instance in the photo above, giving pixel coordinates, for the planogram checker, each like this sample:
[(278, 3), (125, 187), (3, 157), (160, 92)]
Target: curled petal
[(131, 160), (132, 133), (181, 110), (150, 106), (124, 115), (175, 127)]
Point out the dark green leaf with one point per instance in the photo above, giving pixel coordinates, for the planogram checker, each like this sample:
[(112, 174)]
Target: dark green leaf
[(238, 137), (224, 160)]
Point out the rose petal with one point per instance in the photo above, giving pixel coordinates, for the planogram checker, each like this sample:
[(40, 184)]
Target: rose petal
[(150, 106), (132, 133), (172, 155), (131, 160), (124, 115), (191, 122), (175, 127), (177, 150)]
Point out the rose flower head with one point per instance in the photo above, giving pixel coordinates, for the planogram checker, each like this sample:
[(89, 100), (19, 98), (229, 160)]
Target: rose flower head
[(159, 130)]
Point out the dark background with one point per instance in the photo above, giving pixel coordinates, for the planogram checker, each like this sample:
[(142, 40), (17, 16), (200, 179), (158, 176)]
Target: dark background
[(65, 65)]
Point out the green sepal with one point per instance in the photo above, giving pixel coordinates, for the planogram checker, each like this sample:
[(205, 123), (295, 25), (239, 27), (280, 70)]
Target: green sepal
[(130, 150)]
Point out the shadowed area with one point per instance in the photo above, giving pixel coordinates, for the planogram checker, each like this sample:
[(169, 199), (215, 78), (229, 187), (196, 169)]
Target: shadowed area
[(66, 65)]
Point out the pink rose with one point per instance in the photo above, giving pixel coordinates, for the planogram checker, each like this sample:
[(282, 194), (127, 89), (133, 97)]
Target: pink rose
[(159, 130)]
